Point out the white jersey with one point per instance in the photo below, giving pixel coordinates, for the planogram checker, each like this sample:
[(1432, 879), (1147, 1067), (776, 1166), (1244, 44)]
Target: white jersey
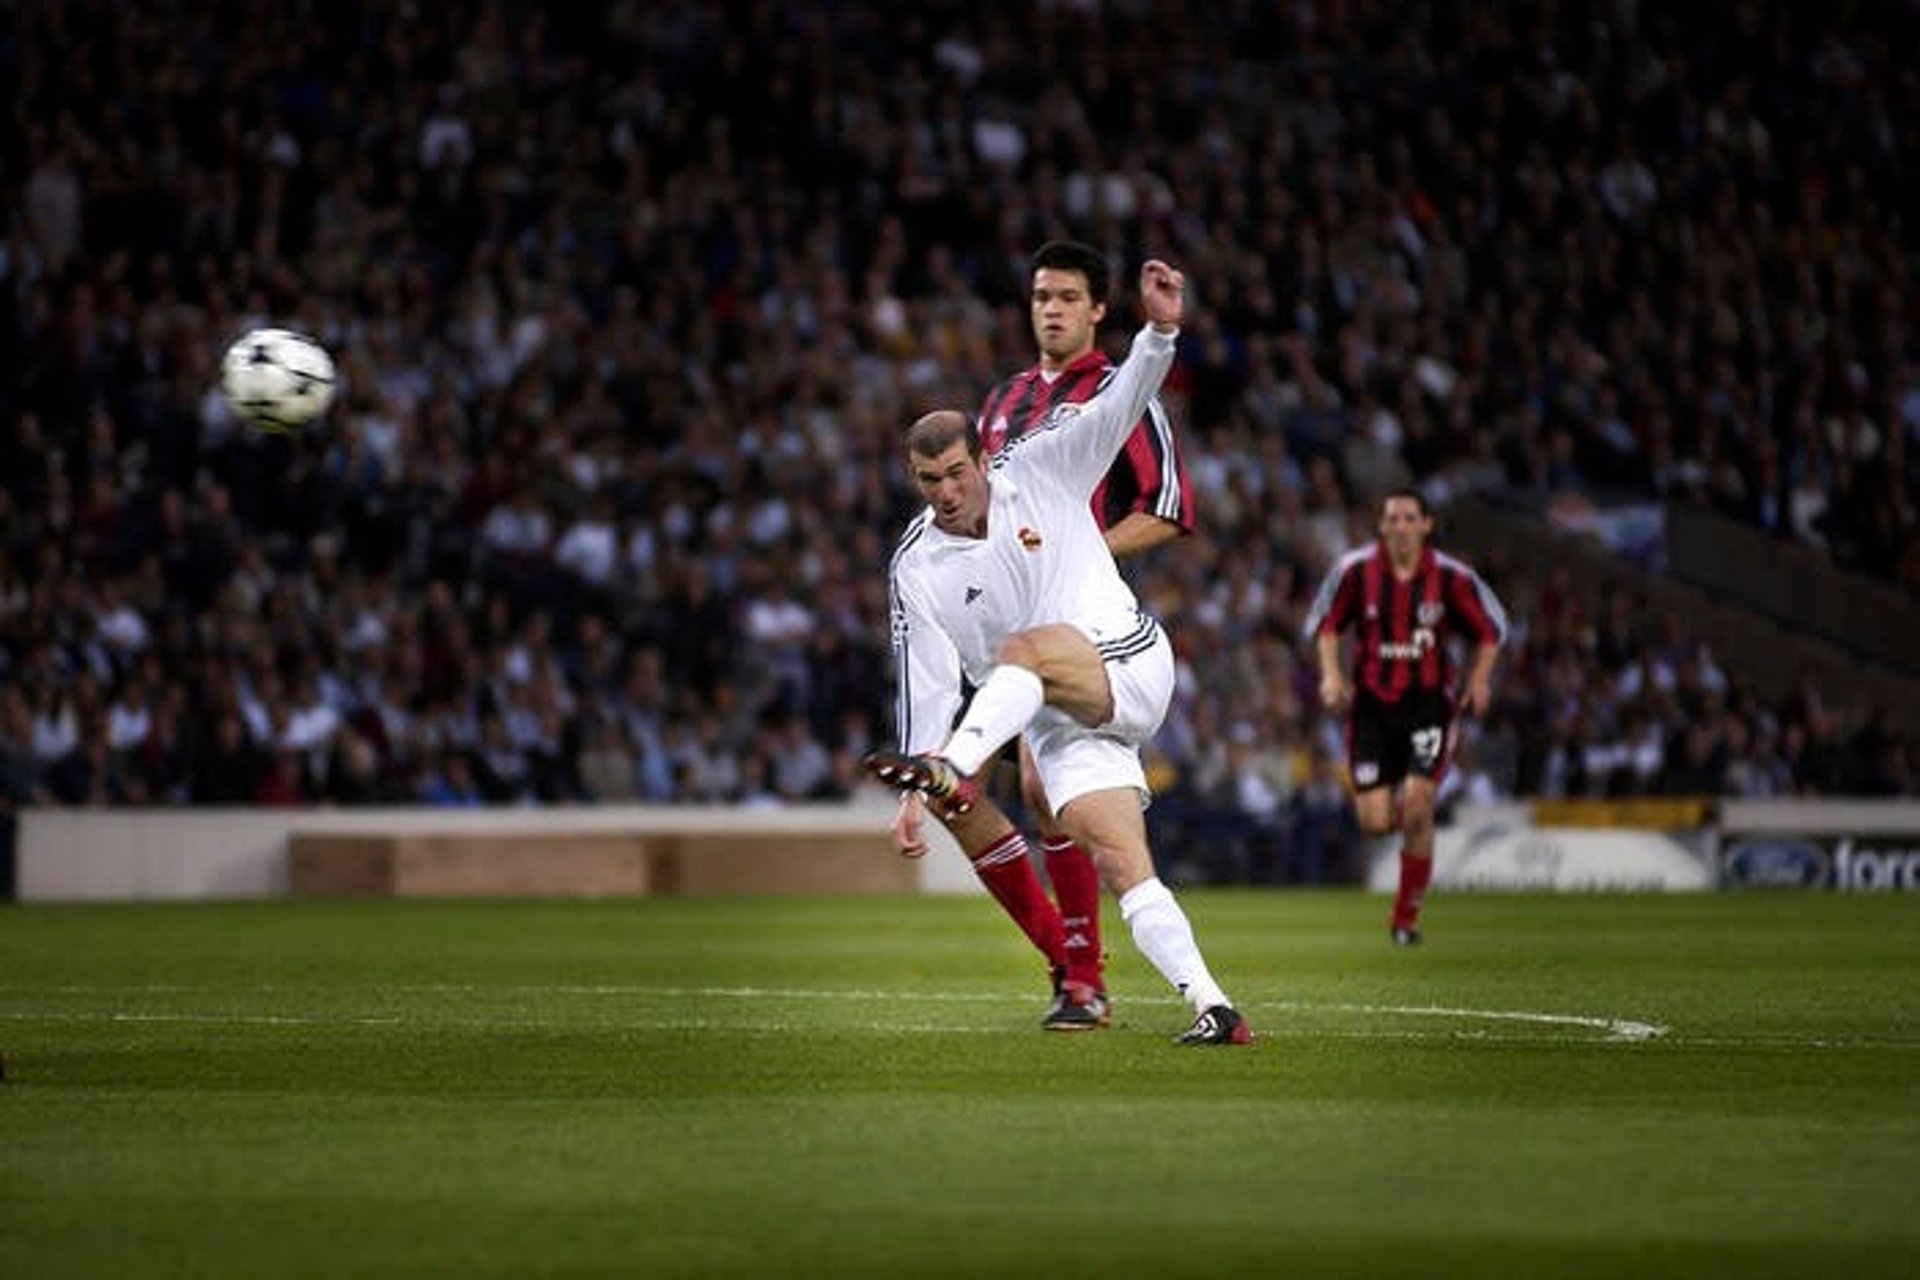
[(1043, 559)]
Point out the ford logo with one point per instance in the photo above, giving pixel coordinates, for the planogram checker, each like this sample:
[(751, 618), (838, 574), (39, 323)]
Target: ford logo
[(1775, 862)]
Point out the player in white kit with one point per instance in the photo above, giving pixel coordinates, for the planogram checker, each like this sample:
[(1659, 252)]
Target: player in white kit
[(1006, 580)]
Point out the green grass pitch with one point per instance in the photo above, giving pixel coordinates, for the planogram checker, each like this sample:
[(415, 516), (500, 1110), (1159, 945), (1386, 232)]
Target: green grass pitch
[(1712, 1085)]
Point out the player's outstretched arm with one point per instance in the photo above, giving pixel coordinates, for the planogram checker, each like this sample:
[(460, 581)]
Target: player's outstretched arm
[(1163, 295), (1080, 456)]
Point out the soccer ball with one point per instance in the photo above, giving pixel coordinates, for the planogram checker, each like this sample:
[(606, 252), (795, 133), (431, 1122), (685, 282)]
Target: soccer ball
[(277, 380)]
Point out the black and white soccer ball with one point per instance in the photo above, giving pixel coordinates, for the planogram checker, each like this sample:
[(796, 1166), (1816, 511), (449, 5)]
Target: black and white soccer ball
[(277, 380)]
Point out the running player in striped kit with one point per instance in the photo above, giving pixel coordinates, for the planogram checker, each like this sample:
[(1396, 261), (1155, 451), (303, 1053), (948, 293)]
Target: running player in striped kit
[(1007, 582), (1403, 600), (1144, 500)]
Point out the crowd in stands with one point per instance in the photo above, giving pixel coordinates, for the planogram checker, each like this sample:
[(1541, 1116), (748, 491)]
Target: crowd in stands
[(632, 300)]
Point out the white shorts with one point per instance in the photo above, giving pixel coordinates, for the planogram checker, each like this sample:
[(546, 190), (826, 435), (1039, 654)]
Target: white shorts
[(1074, 760)]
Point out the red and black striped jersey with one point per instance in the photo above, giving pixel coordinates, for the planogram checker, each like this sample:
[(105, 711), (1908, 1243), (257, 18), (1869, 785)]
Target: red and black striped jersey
[(1402, 626), (1147, 476)]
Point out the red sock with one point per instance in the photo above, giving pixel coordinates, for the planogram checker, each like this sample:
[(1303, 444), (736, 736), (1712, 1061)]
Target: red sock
[(1416, 870), (1076, 885), (1008, 874)]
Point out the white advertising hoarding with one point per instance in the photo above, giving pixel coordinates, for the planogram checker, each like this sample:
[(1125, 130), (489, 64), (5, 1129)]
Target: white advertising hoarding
[(1516, 857)]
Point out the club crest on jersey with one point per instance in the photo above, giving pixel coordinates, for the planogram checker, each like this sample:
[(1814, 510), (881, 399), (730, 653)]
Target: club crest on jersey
[(1430, 612), (1030, 538), (1057, 415)]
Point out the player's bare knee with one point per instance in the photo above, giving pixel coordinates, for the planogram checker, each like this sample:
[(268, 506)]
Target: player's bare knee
[(1374, 811), (1019, 650), (1376, 824), (1119, 865)]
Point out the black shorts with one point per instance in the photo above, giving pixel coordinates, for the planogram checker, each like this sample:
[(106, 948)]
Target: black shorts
[(1386, 741)]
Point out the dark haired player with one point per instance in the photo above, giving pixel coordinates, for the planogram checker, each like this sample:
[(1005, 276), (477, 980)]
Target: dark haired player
[(1403, 600), (1144, 500)]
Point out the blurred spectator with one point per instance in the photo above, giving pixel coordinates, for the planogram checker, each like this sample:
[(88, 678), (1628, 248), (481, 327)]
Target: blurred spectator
[(608, 770), (1696, 763), (449, 783), (1260, 778), (226, 767), (1325, 842), (21, 776), (627, 321)]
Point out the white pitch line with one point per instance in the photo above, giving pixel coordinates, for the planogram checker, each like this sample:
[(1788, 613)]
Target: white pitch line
[(241, 1019), (731, 1025), (760, 1026), (1620, 1030), (1616, 1029)]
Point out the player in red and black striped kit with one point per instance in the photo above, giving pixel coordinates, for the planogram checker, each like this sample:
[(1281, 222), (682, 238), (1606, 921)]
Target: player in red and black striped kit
[(1403, 600), (1145, 500)]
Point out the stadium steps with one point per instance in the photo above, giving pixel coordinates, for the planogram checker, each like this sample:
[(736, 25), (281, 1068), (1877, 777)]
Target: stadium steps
[(1796, 588), (1745, 640)]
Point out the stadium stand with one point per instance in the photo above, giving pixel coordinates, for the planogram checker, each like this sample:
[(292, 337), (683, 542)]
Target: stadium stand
[(630, 300)]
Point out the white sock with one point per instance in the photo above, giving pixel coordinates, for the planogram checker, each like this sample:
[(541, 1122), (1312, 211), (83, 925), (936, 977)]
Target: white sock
[(1001, 708), (1161, 931)]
